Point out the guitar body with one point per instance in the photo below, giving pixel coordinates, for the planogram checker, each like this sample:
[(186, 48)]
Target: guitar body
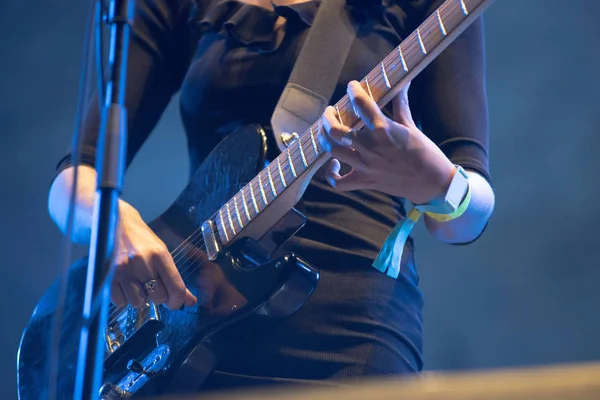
[(235, 218), (156, 350)]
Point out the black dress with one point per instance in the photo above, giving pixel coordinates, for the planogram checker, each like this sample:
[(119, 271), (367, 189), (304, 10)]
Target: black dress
[(231, 63)]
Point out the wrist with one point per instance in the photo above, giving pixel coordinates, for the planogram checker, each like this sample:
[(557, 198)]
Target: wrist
[(471, 224), (443, 185), (453, 201)]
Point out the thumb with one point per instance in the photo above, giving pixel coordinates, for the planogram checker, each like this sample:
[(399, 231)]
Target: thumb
[(402, 113)]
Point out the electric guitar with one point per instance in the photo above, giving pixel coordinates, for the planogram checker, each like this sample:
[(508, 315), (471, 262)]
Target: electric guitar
[(222, 232)]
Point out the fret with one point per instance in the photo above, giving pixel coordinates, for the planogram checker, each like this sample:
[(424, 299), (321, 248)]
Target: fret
[(380, 81), (314, 143), (262, 191), (440, 23), (368, 87), (281, 173), (421, 44), (339, 115), (254, 203), (223, 227), (291, 163), (402, 60), (385, 77), (237, 213), (230, 219), (301, 156), (271, 181), (245, 204)]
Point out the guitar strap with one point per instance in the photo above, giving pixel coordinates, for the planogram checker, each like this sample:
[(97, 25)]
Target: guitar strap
[(316, 71)]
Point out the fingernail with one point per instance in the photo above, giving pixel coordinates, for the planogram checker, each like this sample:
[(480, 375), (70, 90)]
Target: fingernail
[(346, 141), (331, 181), (352, 86)]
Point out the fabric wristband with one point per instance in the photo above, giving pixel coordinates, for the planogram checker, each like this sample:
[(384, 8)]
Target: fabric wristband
[(390, 256), (459, 211)]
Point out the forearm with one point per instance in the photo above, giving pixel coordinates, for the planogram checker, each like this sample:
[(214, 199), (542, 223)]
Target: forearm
[(468, 226), (60, 196)]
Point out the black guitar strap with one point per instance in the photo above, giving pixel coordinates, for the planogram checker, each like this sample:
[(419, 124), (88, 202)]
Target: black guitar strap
[(316, 71)]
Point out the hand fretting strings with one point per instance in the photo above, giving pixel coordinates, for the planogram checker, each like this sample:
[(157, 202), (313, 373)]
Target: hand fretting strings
[(194, 245)]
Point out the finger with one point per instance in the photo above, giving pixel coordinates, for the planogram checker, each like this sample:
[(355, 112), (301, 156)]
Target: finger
[(145, 274), (362, 141), (190, 299), (334, 130), (348, 182), (401, 107), (367, 108), (116, 295), (134, 293), (336, 141), (158, 294), (177, 293)]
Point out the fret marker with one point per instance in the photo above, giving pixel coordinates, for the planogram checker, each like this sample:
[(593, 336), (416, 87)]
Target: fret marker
[(237, 213), (245, 205), (421, 44), (441, 23), (291, 163), (402, 60), (302, 156), (339, 115), (254, 204), (314, 143), (385, 77), (262, 191), (463, 6), (368, 87), (281, 173), (223, 224), (271, 181), (230, 219)]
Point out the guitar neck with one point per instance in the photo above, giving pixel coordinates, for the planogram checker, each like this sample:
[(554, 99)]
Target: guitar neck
[(382, 83)]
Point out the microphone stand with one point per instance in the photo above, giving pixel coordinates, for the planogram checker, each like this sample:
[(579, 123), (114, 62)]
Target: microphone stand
[(110, 165)]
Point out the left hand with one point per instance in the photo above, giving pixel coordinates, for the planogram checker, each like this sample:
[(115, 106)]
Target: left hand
[(391, 156)]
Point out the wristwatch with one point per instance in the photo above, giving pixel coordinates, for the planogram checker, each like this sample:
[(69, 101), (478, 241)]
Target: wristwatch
[(455, 201)]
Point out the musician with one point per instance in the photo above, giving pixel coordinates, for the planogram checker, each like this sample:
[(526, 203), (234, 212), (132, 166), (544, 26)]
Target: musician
[(230, 61)]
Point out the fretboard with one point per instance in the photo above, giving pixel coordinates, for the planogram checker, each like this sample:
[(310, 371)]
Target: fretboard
[(382, 83)]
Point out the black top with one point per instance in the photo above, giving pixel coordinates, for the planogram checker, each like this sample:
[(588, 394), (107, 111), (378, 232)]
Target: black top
[(231, 65)]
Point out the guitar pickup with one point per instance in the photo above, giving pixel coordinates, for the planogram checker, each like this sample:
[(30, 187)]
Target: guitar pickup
[(209, 234)]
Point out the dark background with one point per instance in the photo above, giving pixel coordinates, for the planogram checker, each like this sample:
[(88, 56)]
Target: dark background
[(525, 294)]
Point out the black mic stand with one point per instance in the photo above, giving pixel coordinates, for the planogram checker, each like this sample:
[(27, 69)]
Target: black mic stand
[(110, 165)]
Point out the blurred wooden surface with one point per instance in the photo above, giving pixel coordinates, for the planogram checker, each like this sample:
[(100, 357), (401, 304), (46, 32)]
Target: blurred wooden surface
[(565, 382)]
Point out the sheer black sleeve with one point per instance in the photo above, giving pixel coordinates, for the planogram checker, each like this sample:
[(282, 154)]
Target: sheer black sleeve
[(158, 55), (449, 100)]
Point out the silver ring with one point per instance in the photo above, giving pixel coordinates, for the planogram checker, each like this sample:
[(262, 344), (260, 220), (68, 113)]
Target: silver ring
[(351, 134), (149, 286)]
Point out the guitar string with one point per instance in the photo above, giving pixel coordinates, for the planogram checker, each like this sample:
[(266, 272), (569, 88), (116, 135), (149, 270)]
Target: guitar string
[(295, 150), (182, 250), (179, 254), (376, 79)]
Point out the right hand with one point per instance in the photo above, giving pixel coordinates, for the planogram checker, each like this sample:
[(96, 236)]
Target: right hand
[(140, 257)]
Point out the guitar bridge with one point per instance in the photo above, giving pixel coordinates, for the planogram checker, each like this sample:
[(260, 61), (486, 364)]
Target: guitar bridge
[(143, 323)]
